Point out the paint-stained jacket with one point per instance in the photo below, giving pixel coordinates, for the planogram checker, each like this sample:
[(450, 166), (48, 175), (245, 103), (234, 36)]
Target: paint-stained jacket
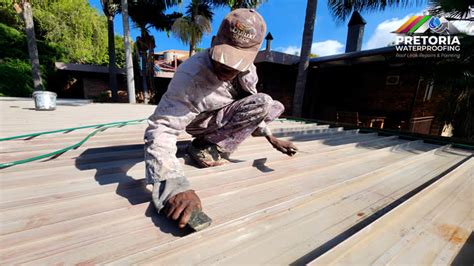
[(193, 90)]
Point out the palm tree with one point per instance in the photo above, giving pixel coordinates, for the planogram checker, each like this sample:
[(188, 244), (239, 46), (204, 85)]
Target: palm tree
[(234, 4), (190, 28), (147, 14), (197, 21), (304, 57), (455, 77), (342, 9), (25, 11), (128, 53), (452, 9), (110, 9)]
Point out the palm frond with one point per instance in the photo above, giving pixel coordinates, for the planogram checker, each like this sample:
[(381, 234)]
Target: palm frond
[(234, 4), (203, 23), (181, 29), (110, 7), (342, 9), (165, 22), (197, 22), (452, 9), (144, 12)]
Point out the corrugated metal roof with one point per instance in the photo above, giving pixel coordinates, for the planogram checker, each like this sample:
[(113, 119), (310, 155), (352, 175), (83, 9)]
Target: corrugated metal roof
[(346, 197)]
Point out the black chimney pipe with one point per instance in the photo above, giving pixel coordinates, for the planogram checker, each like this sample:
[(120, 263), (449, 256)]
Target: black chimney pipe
[(355, 33), (269, 39)]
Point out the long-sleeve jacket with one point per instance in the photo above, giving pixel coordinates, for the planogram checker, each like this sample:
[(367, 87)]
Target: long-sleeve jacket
[(194, 89)]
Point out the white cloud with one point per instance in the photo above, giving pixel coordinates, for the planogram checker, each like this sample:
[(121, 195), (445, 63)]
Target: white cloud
[(328, 47), (383, 35), (290, 50)]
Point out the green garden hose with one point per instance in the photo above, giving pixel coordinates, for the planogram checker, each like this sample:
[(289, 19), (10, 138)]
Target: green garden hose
[(100, 127)]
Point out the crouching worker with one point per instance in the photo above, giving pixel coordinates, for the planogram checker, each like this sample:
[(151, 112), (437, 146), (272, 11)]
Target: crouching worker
[(213, 97)]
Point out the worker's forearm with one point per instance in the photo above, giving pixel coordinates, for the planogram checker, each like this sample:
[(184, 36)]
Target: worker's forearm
[(271, 139), (163, 190)]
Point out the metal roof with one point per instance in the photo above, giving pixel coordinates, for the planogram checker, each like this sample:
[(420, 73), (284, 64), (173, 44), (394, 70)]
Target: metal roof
[(346, 197), (276, 57), (86, 68), (372, 54)]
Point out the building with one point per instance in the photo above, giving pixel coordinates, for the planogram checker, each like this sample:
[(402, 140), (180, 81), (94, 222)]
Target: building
[(277, 74), (88, 81), (370, 88), (166, 62), (373, 88)]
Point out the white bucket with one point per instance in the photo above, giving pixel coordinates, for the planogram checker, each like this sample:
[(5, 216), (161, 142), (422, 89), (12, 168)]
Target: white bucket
[(45, 100)]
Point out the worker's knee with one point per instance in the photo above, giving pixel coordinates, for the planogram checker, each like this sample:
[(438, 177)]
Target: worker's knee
[(254, 108), (262, 101), (263, 98), (276, 108)]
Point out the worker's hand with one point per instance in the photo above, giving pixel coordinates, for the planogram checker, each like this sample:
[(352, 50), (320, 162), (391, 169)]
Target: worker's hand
[(286, 147), (181, 205)]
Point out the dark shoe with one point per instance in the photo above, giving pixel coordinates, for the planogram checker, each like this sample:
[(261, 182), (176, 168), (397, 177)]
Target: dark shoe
[(207, 155)]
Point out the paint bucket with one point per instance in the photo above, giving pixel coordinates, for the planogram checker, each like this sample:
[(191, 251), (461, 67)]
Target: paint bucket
[(45, 100)]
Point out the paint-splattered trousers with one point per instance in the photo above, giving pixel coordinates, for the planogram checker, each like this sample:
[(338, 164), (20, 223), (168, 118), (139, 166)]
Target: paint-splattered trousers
[(232, 124), (227, 128)]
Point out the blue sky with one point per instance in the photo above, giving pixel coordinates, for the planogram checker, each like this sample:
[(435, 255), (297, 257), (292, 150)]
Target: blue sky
[(285, 20)]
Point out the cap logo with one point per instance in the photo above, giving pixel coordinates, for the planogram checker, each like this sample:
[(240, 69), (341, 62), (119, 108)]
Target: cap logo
[(243, 32)]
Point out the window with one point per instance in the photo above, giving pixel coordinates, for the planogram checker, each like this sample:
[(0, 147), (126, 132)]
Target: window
[(428, 91)]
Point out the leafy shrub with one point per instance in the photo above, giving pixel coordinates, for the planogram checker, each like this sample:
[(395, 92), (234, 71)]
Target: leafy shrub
[(16, 78)]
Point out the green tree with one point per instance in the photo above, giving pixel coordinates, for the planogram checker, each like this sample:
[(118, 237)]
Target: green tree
[(455, 79), (68, 31), (15, 66), (197, 22), (147, 14), (9, 17), (119, 52), (76, 26), (24, 9)]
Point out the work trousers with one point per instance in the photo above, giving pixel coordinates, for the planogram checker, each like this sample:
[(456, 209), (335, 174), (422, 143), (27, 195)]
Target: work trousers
[(232, 124)]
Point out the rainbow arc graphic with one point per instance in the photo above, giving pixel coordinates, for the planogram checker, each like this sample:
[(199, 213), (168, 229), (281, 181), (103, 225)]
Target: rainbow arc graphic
[(415, 25)]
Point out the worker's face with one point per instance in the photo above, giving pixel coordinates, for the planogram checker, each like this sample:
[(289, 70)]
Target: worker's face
[(223, 72)]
